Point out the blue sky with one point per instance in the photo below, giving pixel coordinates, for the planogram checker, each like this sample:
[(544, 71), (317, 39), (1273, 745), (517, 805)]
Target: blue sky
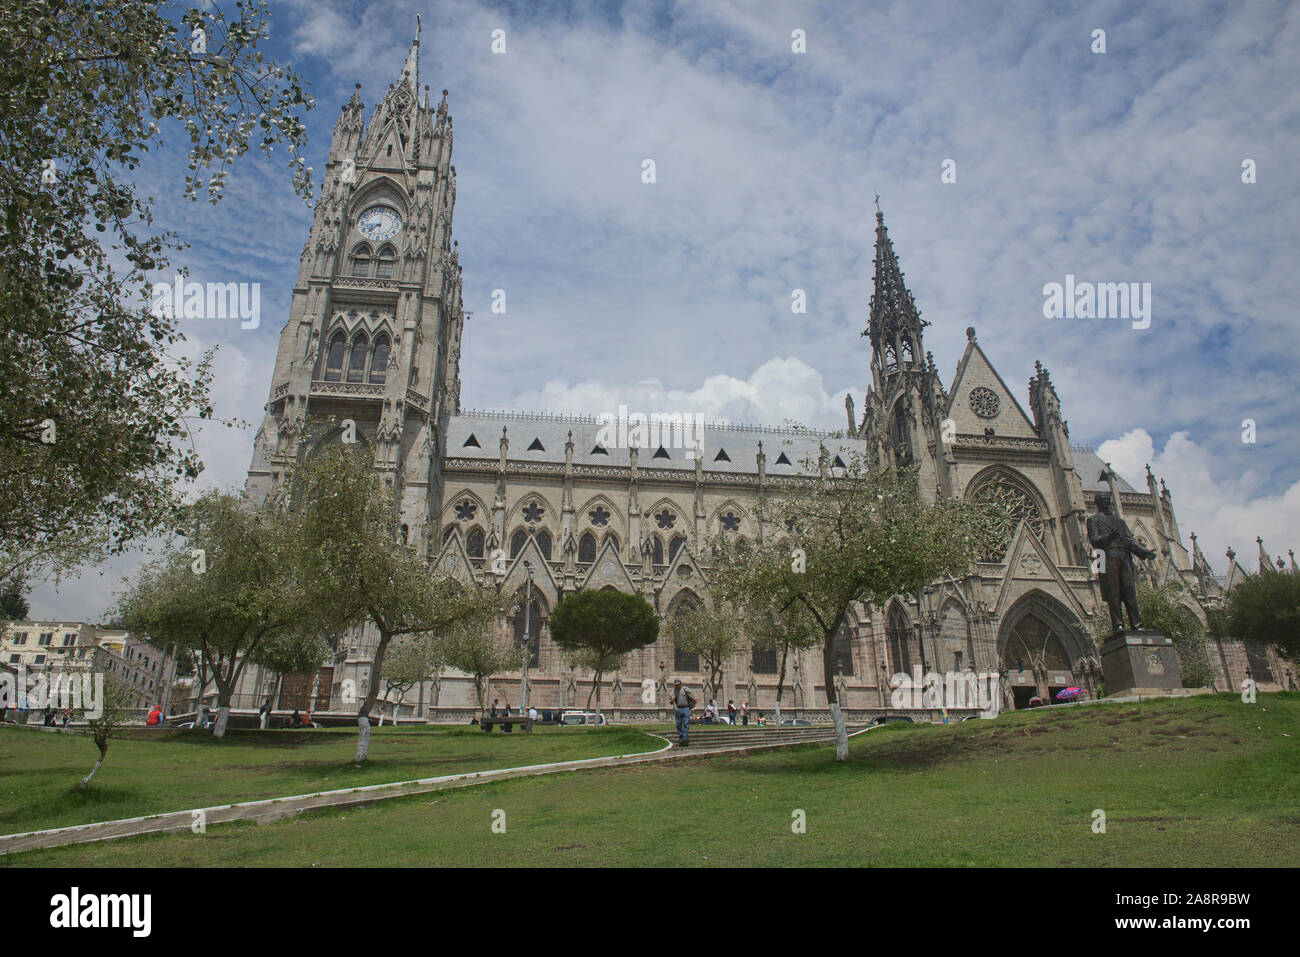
[(1115, 166)]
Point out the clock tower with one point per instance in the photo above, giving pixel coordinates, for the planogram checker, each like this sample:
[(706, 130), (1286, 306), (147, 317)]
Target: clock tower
[(374, 331)]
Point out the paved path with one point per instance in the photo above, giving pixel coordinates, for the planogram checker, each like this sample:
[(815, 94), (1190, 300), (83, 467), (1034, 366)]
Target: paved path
[(273, 809)]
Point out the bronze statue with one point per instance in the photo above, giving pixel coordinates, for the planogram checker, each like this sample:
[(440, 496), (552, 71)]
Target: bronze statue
[(1110, 534)]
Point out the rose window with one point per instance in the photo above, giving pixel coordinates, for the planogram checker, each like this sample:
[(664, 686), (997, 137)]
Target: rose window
[(466, 510), (666, 519), (1018, 505), (533, 513), (731, 521), (599, 516), (984, 402)]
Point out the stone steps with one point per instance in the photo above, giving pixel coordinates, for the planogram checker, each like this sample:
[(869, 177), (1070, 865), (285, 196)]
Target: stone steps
[(710, 737)]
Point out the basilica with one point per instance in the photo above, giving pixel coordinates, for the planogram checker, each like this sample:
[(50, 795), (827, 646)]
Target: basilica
[(541, 505)]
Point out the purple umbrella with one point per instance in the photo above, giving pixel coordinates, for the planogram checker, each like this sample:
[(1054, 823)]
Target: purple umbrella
[(1069, 693)]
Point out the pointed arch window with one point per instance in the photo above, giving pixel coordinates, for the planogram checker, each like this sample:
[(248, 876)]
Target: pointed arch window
[(897, 635), (379, 360), (357, 360), (842, 650), (384, 264), (334, 358), (544, 544), (657, 550), (684, 661), (906, 349), (474, 543), (361, 257), (675, 546), (517, 541), (763, 661), (613, 540), (587, 548)]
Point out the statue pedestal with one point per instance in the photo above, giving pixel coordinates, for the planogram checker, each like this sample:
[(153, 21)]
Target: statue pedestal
[(1140, 662)]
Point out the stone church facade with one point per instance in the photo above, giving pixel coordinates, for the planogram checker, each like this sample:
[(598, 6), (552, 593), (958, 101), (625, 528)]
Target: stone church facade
[(545, 505)]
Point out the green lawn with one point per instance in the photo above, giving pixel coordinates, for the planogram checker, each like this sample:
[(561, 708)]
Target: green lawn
[(1204, 781), (170, 770)]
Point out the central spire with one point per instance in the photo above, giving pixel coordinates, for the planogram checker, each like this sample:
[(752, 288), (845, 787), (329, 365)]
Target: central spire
[(895, 324)]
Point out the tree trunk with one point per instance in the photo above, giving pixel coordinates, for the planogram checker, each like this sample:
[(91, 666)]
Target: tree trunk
[(372, 692), (363, 739), (780, 682), (597, 689), (828, 659), (103, 753), (223, 718)]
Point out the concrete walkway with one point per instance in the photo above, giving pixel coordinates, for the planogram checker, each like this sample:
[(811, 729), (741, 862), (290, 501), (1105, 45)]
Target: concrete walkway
[(273, 809)]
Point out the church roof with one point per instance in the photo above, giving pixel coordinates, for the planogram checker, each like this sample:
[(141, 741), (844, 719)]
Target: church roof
[(541, 437), (1088, 466)]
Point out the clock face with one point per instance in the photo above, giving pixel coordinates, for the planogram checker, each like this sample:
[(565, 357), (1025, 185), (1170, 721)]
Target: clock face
[(379, 223)]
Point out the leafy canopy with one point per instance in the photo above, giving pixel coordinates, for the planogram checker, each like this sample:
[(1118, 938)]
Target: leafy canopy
[(96, 405)]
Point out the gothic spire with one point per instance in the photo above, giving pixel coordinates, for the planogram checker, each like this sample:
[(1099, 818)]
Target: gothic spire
[(1265, 563), (896, 324), (411, 70)]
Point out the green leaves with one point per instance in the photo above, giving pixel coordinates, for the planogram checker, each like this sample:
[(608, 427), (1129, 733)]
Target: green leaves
[(79, 82), (604, 624), (1266, 608)]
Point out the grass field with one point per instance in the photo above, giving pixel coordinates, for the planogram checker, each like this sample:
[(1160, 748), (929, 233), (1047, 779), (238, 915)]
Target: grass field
[(169, 770), (1207, 781)]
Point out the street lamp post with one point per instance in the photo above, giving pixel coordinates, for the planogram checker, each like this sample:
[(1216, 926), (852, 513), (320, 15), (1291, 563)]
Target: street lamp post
[(528, 621)]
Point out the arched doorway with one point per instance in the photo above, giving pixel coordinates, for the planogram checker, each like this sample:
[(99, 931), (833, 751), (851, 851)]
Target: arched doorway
[(1038, 645)]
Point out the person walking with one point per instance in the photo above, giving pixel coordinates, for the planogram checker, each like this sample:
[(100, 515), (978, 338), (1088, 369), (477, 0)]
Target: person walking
[(683, 702), (731, 712), (744, 714)]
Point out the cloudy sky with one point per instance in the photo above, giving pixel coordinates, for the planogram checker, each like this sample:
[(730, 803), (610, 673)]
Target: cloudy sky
[(1122, 166)]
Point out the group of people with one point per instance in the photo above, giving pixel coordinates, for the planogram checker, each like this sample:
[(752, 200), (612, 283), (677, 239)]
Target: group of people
[(51, 717), (546, 714), (735, 715)]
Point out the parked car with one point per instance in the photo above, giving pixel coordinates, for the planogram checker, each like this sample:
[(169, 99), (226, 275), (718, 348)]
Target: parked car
[(582, 717), (893, 719)]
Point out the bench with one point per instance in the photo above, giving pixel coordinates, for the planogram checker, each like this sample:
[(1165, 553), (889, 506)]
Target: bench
[(487, 721)]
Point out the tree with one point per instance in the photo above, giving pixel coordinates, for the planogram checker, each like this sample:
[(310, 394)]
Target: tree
[(1266, 608), (354, 565), (410, 660), (473, 648), (115, 708), (863, 536), (603, 626), (1163, 610), (228, 593), (715, 634), (784, 630), (13, 599), (94, 415), (289, 652)]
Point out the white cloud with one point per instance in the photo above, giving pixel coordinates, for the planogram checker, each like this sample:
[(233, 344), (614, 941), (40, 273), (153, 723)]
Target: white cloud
[(779, 389)]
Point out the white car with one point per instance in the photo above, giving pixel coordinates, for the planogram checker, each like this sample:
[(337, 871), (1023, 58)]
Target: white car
[(582, 717)]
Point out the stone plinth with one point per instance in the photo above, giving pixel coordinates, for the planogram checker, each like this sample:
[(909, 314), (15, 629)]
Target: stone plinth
[(1140, 662)]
